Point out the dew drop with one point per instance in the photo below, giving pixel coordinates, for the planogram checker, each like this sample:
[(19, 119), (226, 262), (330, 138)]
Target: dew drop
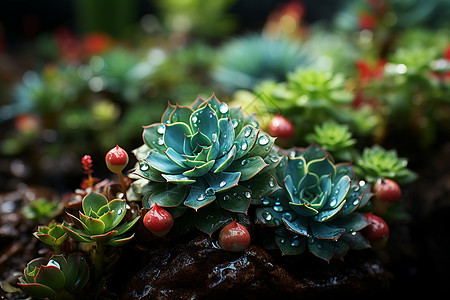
[(353, 233), (282, 240), (274, 158), (333, 201), (143, 166), (248, 194), (119, 212), (235, 123), (287, 216), (53, 263), (244, 162), (362, 183), (194, 119), (210, 191), (267, 216), (300, 164), (277, 222), (265, 202), (247, 132), (160, 141), (355, 202), (263, 140), (278, 208), (161, 129), (271, 182), (295, 242), (356, 188), (244, 146), (201, 197), (222, 183), (336, 191), (226, 197), (223, 108), (174, 118)]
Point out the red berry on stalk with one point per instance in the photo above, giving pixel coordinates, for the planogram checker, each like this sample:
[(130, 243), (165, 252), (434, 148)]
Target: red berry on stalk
[(158, 221), (116, 159), (234, 237), (377, 232), (387, 190), (281, 127)]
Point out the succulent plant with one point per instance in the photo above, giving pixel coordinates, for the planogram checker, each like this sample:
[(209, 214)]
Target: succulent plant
[(207, 157), (56, 278), (334, 138), (99, 221), (53, 235), (317, 209), (376, 162), (248, 60), (42, 209)]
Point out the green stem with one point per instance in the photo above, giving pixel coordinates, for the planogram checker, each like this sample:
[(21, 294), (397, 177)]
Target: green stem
[(57, 250), (98, 261), (123, 185)]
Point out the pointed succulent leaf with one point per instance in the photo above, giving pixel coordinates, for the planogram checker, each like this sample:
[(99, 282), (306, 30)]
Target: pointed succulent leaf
[(119, 208), (199, 195), (166, 196), (245, 140), (262, 146), (153, 136), (45, 238), (77, 235), (198, 141), (146, 171), (303, 209), (51, 276), (321, 248), (165, 118), (296, 168), (105, 237), (176, 157), (222, 181), (322, 166), (210, 218), (120, 241), (200, 171), (93, 201), (224, 162), (325, 231), (338, 192), (62, 264), (174, 134), (126, 226), (205, 120), (298, 226), (290, 244), (248, 167), (226, 136), (93, 226), (326, 215), (262, 185), (237, 119), (162, 163), (236, 199), (37, 290), (314, 152), (178, 179), (181, 114)]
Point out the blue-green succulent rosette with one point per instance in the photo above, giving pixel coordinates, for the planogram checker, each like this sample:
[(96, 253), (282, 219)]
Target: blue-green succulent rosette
[(207, 157), (317, 209)]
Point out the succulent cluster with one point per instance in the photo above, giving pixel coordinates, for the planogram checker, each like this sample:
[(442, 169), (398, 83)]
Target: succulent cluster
[(55, 278), (207, 157), (99, 221), (318, 207)]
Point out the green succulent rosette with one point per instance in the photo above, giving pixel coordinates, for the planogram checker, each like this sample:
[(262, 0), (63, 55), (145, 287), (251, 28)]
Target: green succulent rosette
[(318, 207), (99, 221), (206, 157), (55, 278), (377, 162), (53, 235)]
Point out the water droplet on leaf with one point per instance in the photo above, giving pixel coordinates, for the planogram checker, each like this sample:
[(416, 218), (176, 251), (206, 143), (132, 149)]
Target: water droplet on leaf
[(263, 140)]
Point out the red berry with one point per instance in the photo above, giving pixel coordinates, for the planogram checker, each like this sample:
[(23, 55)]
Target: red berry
[(387, 190), (116, 159), (234, 237), (281, 127), (158, 221), (377, 232)]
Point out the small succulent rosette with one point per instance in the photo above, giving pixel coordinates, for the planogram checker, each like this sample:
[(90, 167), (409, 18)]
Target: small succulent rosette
[(53, 234), (318, 207), (206, 157), (99, 221), (377, 162), (55, 278)]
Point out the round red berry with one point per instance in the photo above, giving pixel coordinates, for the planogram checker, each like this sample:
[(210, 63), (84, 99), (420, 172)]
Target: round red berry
[(234, 237), (116, 159), (158, 220), (377, 232), (281, 127), (387, 190)]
